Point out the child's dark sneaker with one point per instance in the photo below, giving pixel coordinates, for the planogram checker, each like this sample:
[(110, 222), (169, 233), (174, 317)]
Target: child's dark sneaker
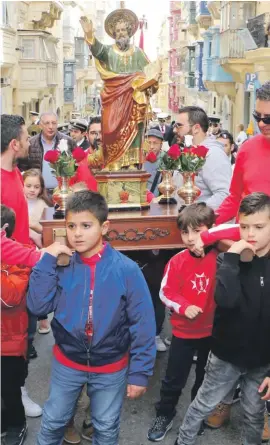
[(160, 428), (16, 436), (201, 430), (237, 394), (32, 352)]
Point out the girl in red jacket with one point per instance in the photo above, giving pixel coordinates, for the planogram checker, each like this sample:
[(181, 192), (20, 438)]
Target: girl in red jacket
[(187, 289)]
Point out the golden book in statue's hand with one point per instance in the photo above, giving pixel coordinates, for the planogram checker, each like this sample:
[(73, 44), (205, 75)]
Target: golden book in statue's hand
[(153, 73)]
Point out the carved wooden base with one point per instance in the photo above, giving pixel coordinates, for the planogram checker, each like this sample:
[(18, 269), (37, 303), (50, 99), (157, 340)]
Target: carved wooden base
[(124, 190), (155, 228)]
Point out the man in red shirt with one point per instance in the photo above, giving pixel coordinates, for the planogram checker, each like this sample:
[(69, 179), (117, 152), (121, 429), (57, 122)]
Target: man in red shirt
[(252, 168), (15, 146)]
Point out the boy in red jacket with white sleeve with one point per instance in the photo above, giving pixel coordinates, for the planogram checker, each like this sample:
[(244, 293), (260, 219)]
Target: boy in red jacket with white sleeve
[(187, 288), (16, 263), (14, 323)]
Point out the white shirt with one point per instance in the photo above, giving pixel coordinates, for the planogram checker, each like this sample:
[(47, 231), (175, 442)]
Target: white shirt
[(241, 137), (49, 178)]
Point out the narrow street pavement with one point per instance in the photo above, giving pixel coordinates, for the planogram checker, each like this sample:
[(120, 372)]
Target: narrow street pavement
[(136, 416)]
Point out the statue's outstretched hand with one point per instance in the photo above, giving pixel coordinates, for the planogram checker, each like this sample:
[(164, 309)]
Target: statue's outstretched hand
[(87, 26)]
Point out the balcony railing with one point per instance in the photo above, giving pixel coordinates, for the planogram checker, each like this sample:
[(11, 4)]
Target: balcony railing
[(231, 45)]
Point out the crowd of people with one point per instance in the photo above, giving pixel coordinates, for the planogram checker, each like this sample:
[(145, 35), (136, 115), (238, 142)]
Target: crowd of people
[(109, 308)]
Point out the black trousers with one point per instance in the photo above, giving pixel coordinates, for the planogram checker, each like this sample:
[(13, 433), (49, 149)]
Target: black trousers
[(178, 368), (152, 266), (153, 273), (13, 372)]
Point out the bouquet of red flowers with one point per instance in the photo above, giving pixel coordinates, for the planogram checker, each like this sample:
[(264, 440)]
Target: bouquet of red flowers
[(192, 159), (171, 159), (63, 161)]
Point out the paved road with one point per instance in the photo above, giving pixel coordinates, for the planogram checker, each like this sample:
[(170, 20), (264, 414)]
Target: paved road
[(137, 415)]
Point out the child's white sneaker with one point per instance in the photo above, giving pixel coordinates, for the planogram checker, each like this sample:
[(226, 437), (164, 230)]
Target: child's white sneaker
[(160, 345), (31, 408)]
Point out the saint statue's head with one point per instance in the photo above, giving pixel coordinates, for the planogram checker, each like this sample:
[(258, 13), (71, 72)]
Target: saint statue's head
[(122, 33), (121, 25)]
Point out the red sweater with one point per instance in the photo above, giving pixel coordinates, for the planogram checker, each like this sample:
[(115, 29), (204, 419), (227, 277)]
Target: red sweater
[(218, 233), (14, 319), (251, 174), (14, 253), (13, 197), (189, 280)]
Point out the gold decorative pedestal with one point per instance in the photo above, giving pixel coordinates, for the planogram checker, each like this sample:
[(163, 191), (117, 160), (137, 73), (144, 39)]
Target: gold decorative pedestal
[(124, 190), (166, 188), (189, 191), (60, 195)]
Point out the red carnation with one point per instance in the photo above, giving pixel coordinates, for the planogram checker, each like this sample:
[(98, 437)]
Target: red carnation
[(186, 150), (52, 156), (174, 152), (151, 157), (200, 151), (78, 154)]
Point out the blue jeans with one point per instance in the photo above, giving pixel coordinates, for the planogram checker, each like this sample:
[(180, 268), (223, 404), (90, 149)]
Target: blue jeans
[(220, 378), (106, 392)]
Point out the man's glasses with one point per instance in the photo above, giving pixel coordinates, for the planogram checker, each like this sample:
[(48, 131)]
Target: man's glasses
[(258, 118), (213, 124)]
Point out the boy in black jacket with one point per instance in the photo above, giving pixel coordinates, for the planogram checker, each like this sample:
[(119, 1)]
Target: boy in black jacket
[(241, 331)]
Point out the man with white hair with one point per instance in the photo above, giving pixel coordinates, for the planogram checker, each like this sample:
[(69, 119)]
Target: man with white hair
[(48, 139)]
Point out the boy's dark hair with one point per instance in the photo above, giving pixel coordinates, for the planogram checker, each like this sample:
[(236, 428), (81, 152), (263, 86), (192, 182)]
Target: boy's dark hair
[(11, 126), (224, 134), (196, 115), (94, 120), (255, 202), (87, 201), (8, 217), (196, 215)]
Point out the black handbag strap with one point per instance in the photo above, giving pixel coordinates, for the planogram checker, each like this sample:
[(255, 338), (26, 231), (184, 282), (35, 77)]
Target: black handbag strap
[(154, 184)]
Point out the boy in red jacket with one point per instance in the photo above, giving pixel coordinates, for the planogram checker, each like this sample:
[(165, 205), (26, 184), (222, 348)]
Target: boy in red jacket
[(187, 289), (14, 323)]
